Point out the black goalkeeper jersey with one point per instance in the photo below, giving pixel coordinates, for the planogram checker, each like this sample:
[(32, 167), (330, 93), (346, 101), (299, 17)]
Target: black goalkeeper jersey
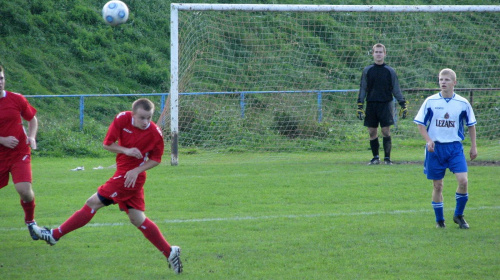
[(379, 83)]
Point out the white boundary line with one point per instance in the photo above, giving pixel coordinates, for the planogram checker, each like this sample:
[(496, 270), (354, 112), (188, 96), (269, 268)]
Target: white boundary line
[(246, 218)]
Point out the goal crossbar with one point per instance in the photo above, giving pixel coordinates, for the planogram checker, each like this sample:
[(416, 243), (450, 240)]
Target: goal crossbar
[(335, 8)]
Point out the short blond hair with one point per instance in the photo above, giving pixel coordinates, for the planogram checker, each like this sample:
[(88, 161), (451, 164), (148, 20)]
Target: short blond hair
[(1, 69), (448, 71), (378, 45), (144, 104)]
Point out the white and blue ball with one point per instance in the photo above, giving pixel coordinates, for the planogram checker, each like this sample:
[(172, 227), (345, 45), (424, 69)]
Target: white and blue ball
[(115, 13)]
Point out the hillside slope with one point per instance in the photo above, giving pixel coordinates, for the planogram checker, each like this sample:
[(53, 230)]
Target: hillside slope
[(64, 47)]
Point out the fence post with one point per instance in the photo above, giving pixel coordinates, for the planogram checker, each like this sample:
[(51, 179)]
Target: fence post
[(242, 104), (320, 109), (162, 102), (82, 107)]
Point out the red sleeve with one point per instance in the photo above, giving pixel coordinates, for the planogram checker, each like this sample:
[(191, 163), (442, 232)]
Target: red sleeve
[(28, 112), (114, 129), (157, 152)]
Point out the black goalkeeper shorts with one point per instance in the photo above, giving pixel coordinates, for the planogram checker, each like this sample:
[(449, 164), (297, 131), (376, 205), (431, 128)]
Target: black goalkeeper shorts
[(379, 113)]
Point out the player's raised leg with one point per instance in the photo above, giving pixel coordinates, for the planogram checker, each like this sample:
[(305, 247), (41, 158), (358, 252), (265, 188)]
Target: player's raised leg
[(79, 219)]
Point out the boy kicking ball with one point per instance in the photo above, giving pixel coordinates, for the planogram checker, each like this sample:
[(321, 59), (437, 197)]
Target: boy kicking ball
[(138, 143)]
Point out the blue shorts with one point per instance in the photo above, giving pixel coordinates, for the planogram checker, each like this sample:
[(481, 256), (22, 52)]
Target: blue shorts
[(445, 155)]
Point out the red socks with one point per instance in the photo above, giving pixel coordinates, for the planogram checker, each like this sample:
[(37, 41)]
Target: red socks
[(153, 234), (84, 215), (29, 210), (76, 221)]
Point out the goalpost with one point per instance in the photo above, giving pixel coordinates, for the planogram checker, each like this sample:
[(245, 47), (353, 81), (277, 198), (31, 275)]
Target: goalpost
[(277, 78)]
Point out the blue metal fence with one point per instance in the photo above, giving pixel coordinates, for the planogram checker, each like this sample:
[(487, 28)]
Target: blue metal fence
[(83, 96), (319, 94), (242, 94)]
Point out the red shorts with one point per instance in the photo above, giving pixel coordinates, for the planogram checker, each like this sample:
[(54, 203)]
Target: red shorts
[(20, 168), (114, 190)]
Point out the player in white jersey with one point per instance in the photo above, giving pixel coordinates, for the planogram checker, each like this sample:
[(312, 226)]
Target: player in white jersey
[(441, 121)]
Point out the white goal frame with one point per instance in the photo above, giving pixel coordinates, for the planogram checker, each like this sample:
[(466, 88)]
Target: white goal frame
[(174, 35)]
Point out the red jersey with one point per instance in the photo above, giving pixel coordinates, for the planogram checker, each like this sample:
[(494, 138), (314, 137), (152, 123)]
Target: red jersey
[(149, 141), (13, 107)]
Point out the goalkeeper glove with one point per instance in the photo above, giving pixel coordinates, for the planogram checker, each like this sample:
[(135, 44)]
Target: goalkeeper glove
[(360, 113), (403, 112)]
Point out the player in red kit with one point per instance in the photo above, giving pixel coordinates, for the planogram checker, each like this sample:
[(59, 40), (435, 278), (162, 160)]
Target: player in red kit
[(15, 148), (138, 143)]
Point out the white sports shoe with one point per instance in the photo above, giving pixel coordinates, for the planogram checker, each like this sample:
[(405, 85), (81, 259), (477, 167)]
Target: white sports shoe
[(174, 260), (32, 233), (45, 234)]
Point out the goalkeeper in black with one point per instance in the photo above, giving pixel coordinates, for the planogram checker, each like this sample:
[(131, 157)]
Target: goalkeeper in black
[(379, 83)]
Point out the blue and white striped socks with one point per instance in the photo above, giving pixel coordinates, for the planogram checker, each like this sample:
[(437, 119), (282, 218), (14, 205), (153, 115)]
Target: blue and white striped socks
[(462, 199), (438, 210)]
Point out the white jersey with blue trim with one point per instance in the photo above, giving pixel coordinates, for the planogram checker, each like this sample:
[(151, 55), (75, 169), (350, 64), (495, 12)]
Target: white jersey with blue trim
[(445, 117)]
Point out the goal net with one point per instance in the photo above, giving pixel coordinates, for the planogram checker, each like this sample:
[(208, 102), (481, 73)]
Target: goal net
[(278, 78)]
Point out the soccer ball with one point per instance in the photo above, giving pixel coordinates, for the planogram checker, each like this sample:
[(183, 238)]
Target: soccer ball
[(115, 13)]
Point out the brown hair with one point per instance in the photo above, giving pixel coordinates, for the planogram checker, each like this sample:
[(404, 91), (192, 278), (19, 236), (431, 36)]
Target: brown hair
[(143, 103)]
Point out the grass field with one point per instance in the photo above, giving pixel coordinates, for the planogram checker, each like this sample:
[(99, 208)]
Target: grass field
[(261, 216)]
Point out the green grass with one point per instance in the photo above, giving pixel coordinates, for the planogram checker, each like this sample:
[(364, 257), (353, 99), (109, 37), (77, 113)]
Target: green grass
[(261, 216)]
